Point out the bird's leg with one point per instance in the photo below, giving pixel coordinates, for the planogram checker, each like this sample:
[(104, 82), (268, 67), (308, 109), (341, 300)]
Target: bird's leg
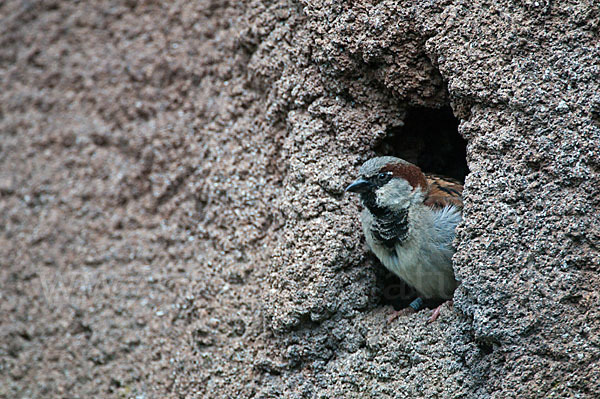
[(402, 312), (438, 310), (412, 308)]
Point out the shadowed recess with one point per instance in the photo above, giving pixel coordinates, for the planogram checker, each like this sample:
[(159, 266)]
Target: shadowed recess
[(429, 139)]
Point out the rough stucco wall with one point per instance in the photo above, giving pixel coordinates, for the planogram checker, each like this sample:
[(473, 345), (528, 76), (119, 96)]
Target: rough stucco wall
[(171, 209)]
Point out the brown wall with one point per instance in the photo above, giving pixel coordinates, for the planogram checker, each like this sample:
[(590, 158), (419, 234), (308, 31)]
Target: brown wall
[(172, 220)]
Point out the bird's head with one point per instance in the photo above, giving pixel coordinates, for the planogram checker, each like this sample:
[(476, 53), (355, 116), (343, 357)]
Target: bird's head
[(389, 184)]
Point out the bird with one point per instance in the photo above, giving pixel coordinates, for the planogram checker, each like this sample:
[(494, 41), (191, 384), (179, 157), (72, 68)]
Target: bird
[(409, 221)]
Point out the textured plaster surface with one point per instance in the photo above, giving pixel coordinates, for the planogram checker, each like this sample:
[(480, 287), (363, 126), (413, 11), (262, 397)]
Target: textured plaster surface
[(172, 216)]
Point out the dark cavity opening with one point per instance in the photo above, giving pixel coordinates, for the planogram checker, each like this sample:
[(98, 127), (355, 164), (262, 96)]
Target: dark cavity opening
[(429, 139)]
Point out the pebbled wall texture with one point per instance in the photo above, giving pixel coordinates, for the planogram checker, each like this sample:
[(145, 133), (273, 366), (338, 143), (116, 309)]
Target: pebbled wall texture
[(172, 217)]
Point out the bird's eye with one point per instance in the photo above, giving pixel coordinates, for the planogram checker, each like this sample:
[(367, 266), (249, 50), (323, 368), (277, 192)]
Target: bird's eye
[(383, 176)]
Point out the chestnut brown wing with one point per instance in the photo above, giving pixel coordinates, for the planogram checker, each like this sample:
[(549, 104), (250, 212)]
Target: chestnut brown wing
[(443, 191)]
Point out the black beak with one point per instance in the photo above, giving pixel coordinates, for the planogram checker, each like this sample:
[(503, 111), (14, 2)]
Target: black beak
[(359, 186)]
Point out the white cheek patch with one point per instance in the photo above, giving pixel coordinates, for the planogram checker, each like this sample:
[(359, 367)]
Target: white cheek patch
[(396, 194)]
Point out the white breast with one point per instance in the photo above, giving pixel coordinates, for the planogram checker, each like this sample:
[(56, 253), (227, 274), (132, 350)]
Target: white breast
[(424, 259)]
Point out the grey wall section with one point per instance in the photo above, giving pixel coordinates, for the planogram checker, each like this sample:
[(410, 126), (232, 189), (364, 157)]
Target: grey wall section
[(172, 220)]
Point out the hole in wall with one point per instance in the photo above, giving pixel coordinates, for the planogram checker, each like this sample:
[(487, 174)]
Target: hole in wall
[(429, 139)]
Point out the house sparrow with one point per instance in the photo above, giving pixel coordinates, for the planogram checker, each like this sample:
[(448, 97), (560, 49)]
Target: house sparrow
[(409, 220)]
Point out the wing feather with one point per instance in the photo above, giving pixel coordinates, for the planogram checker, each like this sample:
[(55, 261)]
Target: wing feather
[(443, 191)]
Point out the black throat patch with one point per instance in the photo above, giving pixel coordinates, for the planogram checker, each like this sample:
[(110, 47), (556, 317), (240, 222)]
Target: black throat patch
[(369, 201), (389, 227)]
